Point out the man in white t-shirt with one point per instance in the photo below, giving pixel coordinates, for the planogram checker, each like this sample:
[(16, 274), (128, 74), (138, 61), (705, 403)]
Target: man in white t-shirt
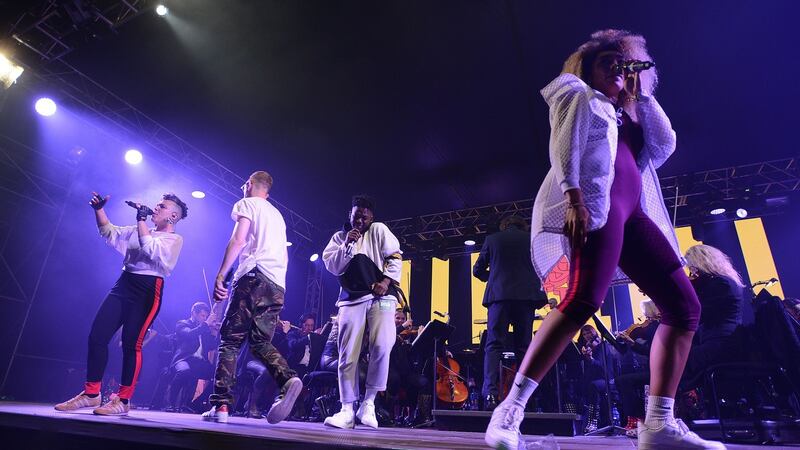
[(259, 240)]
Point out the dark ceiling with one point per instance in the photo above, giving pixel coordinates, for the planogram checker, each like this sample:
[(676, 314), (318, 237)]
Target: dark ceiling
[(433, 105)]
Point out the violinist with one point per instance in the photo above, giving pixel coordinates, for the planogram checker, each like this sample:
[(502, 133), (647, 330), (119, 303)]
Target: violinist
[(636, 341), (595, 364), (405, 382)]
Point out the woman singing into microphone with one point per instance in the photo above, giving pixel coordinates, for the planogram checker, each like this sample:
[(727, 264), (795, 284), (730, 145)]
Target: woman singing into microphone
[(601, 206), (134, 301)]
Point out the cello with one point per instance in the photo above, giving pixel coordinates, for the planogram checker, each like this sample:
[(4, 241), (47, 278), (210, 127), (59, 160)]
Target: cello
[(450, 387)]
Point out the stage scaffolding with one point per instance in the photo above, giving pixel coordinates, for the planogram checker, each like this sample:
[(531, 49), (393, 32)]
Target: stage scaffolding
[(40, 38), (763, 188)]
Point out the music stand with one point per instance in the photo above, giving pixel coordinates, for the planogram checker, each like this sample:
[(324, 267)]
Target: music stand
[(434, 332), (605, 335)]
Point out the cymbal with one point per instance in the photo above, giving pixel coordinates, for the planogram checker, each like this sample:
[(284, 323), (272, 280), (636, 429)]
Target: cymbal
[(480, 321)]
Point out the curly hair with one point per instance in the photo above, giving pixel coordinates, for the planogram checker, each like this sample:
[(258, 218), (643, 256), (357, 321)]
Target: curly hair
[(711, 261), (174, 198), (364, 201), (632, 46)]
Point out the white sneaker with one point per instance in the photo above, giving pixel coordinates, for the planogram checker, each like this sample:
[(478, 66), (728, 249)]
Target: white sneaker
[(80, 401), (342, 419), (503, 431), (673, 436), (114, 407), (366, 415), (285, 402), (217, 414)]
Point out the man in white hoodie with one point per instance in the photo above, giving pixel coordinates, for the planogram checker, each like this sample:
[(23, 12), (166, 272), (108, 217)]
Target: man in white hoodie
[(367, 261)]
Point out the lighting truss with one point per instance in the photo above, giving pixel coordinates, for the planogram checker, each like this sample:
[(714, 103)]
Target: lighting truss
[(442, 234), (45, 30)]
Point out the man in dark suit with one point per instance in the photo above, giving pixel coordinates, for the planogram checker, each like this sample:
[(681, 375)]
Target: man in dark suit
[(513, 292), (195, 337)]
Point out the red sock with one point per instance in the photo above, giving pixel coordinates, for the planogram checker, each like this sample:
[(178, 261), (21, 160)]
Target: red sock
[(91, 387)]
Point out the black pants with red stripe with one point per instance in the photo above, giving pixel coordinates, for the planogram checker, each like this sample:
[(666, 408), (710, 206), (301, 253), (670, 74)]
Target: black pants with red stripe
[(132, 304)]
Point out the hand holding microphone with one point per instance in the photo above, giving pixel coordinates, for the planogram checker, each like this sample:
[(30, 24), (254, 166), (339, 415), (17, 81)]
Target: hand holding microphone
[(352, 236), (142, 211)]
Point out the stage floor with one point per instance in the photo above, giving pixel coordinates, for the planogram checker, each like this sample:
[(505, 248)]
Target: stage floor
[(154, 429)]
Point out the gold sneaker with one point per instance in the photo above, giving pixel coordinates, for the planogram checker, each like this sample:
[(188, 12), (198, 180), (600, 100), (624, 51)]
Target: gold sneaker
[(78, 402), (114, 407)]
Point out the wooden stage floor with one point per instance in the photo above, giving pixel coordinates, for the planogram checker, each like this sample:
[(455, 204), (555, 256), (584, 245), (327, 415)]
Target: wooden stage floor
[(38, 426)]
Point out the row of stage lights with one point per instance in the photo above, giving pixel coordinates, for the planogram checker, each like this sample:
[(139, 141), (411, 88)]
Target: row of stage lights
[(47, 107)]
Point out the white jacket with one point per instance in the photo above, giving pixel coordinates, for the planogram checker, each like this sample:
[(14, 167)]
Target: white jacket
[(583, 147), (378, 243)]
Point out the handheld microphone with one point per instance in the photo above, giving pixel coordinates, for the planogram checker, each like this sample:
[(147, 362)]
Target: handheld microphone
[(632, 66), (133, 205)]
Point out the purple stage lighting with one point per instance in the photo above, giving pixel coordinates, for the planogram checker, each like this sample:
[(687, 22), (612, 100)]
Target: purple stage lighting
[(45, 106), (469, 242), (314, 257), (198, 194), (288, 243), (133, 156)]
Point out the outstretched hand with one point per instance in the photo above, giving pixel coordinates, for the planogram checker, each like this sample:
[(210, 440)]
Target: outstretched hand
[(98, 201)]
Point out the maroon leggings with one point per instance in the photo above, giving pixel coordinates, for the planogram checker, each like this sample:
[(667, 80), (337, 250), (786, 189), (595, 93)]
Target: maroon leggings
[(632, 241)]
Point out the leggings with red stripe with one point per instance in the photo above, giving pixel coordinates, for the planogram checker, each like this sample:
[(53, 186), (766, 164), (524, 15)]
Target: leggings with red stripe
[(631, 240), (132, 304)]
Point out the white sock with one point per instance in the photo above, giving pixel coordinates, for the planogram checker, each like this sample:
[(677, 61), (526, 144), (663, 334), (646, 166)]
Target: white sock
[(521, 390), (369, 395), (659, 411), (347, 407)]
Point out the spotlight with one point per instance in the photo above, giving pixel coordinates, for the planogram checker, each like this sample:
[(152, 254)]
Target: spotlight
[(45, 106), (717, 211), (9, 72), (469, 242), (133, 156), (741, 213), (198, 194), (162, 10), (288, 243), (314, 257)]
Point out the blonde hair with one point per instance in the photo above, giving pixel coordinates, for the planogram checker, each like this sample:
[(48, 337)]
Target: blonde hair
[(632, 46), (649, 309), (710, 260), (261, 179)]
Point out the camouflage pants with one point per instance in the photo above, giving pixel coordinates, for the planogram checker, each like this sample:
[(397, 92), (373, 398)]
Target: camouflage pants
[(252, 314)]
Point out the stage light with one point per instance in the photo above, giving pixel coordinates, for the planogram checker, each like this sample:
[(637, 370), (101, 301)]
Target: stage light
[(162, 10), (469, 242), (717, 211), (45, 106), (133, 156), (741, 213), (288, 243), (9, 72), (198, 194), (314, 257)]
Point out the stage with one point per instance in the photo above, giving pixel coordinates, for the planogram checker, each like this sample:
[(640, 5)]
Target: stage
[(38, 426)]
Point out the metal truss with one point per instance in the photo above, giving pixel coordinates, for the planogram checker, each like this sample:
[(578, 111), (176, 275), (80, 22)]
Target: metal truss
[(313, 303), (54, 28), (443, 234), (38, 31)]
